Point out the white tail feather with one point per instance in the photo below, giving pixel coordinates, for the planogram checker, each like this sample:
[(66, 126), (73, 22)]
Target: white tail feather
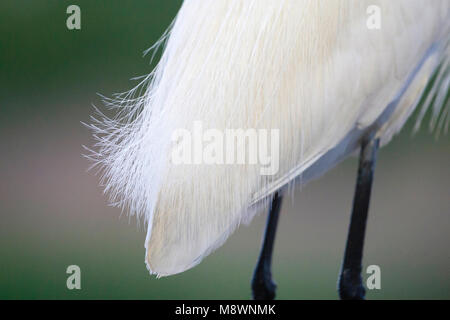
[(311, 69)]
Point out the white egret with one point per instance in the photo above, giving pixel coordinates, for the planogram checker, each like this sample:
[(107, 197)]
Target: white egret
[(332, 76)]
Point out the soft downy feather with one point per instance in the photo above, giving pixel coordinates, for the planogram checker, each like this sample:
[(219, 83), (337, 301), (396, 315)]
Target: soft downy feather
[(311, 69)]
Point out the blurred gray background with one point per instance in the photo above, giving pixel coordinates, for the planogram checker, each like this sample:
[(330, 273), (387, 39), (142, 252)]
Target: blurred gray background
[(53, 213)]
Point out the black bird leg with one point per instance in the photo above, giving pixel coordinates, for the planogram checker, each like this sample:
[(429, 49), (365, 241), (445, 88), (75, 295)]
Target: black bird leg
[(263, 287), (350, 284)]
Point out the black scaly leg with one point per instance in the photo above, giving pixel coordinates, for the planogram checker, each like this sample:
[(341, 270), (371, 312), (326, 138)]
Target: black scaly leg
[(350, 285), (262, 285)]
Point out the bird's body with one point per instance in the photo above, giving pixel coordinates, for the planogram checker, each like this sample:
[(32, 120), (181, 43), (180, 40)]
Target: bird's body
[(314, 70)]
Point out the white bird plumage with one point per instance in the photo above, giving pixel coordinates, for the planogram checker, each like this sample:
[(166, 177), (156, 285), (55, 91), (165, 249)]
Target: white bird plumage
[(309, 68)]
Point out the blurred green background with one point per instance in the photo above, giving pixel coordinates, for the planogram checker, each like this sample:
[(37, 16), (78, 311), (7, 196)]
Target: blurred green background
[(53, 213)]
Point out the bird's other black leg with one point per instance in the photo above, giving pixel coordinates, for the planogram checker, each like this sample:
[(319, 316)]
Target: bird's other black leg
[(350, 284), (263, 287)]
